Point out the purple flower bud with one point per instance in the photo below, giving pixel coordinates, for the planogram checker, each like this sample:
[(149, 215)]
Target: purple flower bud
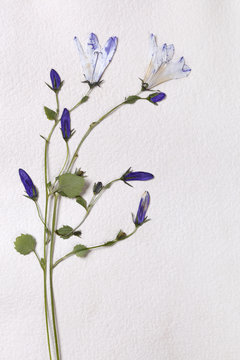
[(142, 209), (157, 97), (137, 176), (28, 184), (55, 79), (65, 124)]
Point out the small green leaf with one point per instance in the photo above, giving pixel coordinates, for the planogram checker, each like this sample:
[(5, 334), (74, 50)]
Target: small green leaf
[(80, 250), (25, 244), (65, 232), (84, 99), (110, 243), (77, 233), (80, 200), (51, 115), (132, 99), (70, 185)]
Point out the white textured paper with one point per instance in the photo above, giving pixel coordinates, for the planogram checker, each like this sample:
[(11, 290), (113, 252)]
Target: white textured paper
[(171, 292)]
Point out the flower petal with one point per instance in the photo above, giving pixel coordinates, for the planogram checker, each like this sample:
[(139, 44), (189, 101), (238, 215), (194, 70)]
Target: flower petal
[(170, 71), (86, 65), (104, 58)]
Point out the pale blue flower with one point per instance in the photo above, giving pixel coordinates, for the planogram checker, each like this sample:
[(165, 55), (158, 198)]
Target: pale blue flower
[(95, 59), (161, 67)]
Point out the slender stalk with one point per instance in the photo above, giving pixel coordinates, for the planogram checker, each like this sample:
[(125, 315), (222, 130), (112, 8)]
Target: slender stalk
[(39, 213), (37, 256), (81, 101), (45, 227), (94, 247), (93, 202), (65, 163), (51, 276), (91, 127)]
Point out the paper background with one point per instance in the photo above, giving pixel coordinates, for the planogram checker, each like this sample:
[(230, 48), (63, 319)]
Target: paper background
[(173, 291)]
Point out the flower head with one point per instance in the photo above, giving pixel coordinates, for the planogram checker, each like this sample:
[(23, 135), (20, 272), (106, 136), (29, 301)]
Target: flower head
[(137, 176), (142, 209), (95, 59), (55, 79), (161, 67), (65, 124), (28, 184)]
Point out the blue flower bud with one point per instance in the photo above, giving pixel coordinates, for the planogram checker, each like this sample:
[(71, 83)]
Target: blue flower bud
[(142, 209), (28, 184), (55, 79), (155, 98), (65, 124), (97, 187), (137, 176)]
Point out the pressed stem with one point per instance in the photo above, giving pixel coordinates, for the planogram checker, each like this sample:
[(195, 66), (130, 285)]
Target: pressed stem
[(91, 127), (51, 276), (93, 202), (37, 256), (45, 227), (39, 213), (93, 247), (65, 163), (81, 101)]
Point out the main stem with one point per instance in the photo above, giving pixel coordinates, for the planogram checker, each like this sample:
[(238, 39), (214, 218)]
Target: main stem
[(45, 227), (51, 276)]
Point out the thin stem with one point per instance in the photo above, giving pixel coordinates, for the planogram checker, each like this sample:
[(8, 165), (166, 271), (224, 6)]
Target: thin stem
[(65, 163), (81, 101), (93, 202), (39, 213), (94, 247), (51, 275), (45, 228), (37, 256), (91, 127)]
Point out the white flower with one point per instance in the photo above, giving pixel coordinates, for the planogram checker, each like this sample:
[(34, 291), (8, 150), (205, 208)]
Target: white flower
[(95, 60), (161, 68)]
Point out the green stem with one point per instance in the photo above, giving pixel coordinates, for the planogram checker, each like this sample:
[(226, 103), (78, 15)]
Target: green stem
[(45, 228), (91, 127), (39, 213), (51, 276), (37, 256), (93, 202), (93, 247), (64, 165), (81, 101)]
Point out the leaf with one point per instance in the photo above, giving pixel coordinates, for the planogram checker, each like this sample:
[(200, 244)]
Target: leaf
[(84, 99), (65, 232), (51, 115), (25, 244), (70, 185), (110, 243), (80, 200), (77, 233), (132, 99), (80, 250)]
